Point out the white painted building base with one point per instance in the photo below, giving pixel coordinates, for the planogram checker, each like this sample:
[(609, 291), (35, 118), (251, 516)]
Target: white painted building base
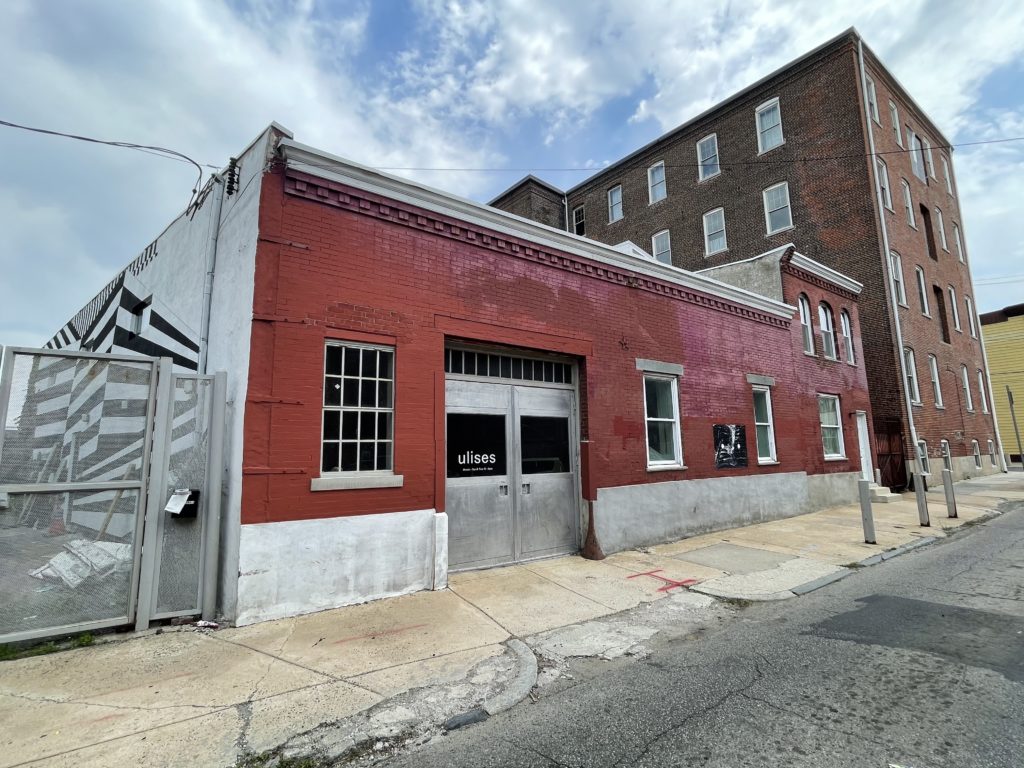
[(653, 513), (302, 566)]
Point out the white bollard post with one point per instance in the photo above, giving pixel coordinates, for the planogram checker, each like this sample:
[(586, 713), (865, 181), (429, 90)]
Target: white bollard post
[(922, 500), (865, 511), (947, 484)]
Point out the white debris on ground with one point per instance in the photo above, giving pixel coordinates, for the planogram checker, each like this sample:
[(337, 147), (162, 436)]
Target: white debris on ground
[(83, 560)]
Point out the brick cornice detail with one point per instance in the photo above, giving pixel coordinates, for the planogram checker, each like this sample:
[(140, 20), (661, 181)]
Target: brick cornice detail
[(825, 285), (308, 187)]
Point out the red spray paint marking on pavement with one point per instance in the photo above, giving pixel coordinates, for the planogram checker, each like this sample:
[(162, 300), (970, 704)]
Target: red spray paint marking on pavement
[(669, 583)]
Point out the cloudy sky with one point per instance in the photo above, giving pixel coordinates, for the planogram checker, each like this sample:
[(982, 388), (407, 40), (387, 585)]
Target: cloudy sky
[(503, 87)]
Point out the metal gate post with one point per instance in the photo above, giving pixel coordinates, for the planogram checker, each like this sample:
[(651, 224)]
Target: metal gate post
[(214, 478), (162, 428)]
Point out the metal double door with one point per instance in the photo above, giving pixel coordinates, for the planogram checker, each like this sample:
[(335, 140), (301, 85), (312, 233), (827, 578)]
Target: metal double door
[(512, 487)]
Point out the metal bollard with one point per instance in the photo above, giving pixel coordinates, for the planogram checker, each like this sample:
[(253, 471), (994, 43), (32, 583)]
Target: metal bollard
[(865, 511), (922, 500), (947, 485)]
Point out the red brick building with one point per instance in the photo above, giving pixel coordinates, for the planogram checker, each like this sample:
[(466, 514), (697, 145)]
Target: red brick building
[(829, 152)]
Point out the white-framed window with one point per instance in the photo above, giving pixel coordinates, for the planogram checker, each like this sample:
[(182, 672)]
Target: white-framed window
[(899, 291), (805, 324), (908, 203), (579, 221), (965, 379), (661, 415), (894, 115), (916, 154), (922, 292), (140, 317), (831, 427), (922, 457), (661, 247), (764, 425), (846, 328), (714, 232), (933, 372), (656, 189), (954, 308), (976, 450), (942, 230), (992, 452), (777, 214), (883, 182), (707, 157), (969, 306), (982, 398), (827, 326), (769, 126), (872, 98), (615, 203), (910, 366), (358, 409), (946, 175), (947, 454), (958, 243), (929, 165)]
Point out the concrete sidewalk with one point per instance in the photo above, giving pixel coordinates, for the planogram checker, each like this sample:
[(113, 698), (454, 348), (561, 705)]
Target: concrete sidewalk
[(199, 697)]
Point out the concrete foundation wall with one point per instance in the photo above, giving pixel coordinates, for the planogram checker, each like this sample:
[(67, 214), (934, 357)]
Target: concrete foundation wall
[(964, 468), (296, 567), (641, 515)]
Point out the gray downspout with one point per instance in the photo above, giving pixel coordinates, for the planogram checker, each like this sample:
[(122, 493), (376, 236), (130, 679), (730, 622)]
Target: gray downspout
[(886, 260), (211, 266)]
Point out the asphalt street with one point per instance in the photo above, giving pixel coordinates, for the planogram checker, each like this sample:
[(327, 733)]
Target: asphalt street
[(917, 662)]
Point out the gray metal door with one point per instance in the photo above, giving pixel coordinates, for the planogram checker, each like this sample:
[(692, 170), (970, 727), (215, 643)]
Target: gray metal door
[(511, 491)]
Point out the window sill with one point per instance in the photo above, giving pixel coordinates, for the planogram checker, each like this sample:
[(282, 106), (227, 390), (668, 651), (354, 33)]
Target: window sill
[(709, 178), (809, 354), (780, 231), (347, 482), (715, 253), (831, 359), (672, 468), (772, 463), (655, 202), (771, 149), (940, 407), (837, 458)]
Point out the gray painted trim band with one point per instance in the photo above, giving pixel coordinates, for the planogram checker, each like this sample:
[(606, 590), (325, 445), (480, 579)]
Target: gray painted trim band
[(764, 381), (356, 481), (655, 366)]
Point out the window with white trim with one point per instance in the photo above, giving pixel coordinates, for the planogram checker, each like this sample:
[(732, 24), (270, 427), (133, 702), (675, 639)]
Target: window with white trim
[(831, 427), (883, 182), (769, 126), (872, 98), (846, 328), (976, 450), (982, 397), (965, 379), (656, 189), (908, 203), (661, 247), (910, 370), (958, 243), (969, 306), (898, 289), (661, 415), (947, 454), (714, 232), (764, 425), (358, 409), (894, 115), (955, 308), (933, 372), (777, 214), (707, 157), (916, 154), (946, 175), (929, 165), (922, 292), (922, 457), (805, 324), (942, 230), (827, 327), (579, 221), (615, 203), (992, 452)]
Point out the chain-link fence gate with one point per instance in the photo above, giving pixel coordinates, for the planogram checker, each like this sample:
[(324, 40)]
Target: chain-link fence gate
[(91, 450)]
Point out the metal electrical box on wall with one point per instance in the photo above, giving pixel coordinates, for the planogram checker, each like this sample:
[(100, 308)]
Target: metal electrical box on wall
[(184, 502)]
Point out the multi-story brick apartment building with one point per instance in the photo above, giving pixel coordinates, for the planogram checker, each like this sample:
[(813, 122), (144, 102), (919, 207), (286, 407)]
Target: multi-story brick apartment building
[(831, 153)]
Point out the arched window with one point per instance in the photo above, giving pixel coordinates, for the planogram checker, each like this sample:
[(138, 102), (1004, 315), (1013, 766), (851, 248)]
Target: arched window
[(947, 457), (826, 322), (805, 324), (977, 453), (966, 380), (847, 330)]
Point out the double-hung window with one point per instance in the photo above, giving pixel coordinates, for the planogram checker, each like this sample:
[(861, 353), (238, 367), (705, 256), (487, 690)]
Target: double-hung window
[(947, 454), (846, 327), (896, 266), (976, 450), (981, 391), (954, 308), (883, 182), (661, 247), (615, 203), (922, 456), (933, 372), (894, 115), (777, 214), (831, 427), (769, 126), (872, 97), (929, 165), (707, 157), (965, 380), (908, 204), (969, 306), (916, 154), (358, 409), (922, 291), (656, 189), (579, 221), (946, 175), (910, 370), (764, 425), (714, 232), (942, 230), (661, 413), (805, 324), (992, 452), (959, 243), (826, 322)]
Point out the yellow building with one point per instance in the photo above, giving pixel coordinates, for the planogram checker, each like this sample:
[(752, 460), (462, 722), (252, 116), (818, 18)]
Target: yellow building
[(1003, 333)]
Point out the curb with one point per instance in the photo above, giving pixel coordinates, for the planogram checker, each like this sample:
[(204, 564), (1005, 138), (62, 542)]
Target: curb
[(518, 689)]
